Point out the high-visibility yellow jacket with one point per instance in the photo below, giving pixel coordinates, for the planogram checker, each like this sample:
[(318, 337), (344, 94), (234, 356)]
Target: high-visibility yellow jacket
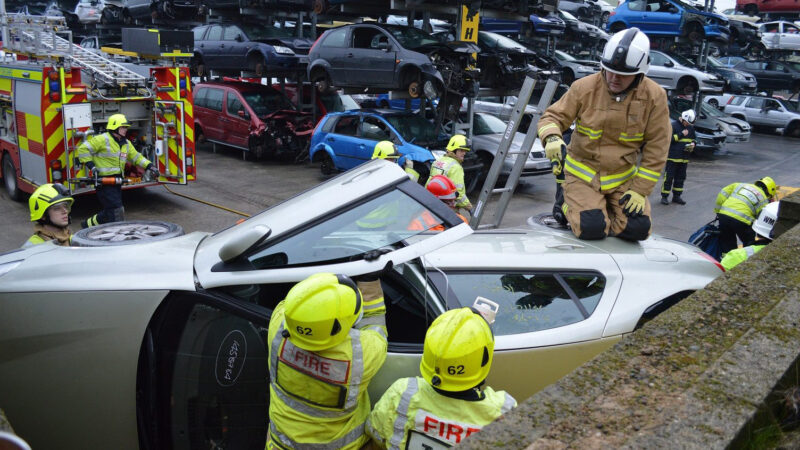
[(742, 201), (42, 235), (109, 157), (734, 257), (412, 412), (610, 135), (321, 397), (450, 167)]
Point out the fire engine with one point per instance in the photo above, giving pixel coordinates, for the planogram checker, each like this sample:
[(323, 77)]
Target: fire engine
[(55, 94)]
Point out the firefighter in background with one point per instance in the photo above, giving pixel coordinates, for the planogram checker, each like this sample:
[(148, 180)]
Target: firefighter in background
[(50, 205), (763, 230), (678, 159), (387, 150), (446, 404), (105, 155), (450, 165), (621, 117), (444, 189), (737, 206), (322, 356)]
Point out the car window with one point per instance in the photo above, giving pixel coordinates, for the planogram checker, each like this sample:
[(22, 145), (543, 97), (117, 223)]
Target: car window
[(200, 97), (368, 37), (414, 128), (657, 59), (199, 32), (753, 65), (347, 126), (266, 101), (791, 29), (637, 5), (214, 33), (755, 102), (487, 124), (410, 37), (234, 104), (736, 100), (375, 129), (531, 301), (338, 102), (772, 104), (336, 38), (231, 32), (380, 222), (776, 67), (214, 99), (770, 28)]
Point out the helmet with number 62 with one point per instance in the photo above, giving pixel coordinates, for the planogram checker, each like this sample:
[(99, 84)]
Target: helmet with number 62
[(458, 350), (321, 309)]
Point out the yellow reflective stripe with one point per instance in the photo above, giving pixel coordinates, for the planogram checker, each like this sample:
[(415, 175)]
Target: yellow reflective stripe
[(678, 160), (685, 140), (547, 127), (625, 137), (593, 134), (580, 170), (647, 174), (611, 181), (675, 137)]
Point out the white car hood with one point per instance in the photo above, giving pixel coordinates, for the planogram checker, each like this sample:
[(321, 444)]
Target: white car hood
[(158, 265)]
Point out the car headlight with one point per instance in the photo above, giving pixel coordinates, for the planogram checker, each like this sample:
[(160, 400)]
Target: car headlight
[(429, 89), (283, 50), (738, 76), (585, 69)]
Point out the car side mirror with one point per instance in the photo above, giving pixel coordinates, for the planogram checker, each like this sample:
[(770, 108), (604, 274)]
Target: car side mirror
[(383, 46), (669, 64)]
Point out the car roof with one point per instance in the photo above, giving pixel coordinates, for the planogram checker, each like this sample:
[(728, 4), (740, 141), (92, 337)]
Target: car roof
[(238, 85)]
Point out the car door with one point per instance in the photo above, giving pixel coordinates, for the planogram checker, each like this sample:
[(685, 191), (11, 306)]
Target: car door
[(754, 111), (215, 129), (776, 76), (237, 127), (334, 49), (234, 48), (343, 140), (661, 17), (372, 130), (774, 113), (353, 224), (789, 36), (659, 72), (371, 57), (212, 47)]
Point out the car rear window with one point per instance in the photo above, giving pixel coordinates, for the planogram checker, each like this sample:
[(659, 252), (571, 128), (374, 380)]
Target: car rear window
[(347, 126), (531, 301), (214, 99), (336, 38)]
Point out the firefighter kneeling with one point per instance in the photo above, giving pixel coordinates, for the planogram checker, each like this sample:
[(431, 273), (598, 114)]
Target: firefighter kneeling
[(446, 404), (322, 356), (105, 155), (621, 117)]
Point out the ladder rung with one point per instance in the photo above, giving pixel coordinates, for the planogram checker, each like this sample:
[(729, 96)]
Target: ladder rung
[(500, 190)]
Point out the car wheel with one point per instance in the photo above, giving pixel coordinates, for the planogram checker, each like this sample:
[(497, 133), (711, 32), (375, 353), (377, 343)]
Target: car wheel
[(199, 136), (414, 89), (197, 66), (326, 165), (125, 233), (568, 77), (320, 6), (258, 65), (323, 82), (687, 86), (713, 102), (604, 18), (792, 130), (757, 50), (10, 178), (695, 32), (617, 27), (751, 9)]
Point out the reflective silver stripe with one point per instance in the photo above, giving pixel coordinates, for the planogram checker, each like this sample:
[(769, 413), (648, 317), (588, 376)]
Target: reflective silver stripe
[(508, 405), (750, 251), (375, 320), (380, 329), (343, 441), (402, 413), (357, 372), (569, 164), (370, 306), (109, 153), (732, 212)]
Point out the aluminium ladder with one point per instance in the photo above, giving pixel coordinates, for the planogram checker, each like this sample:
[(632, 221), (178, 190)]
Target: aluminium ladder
[(504, 150)]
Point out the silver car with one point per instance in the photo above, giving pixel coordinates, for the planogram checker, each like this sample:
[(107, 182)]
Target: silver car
[(161, 344), (766, 113), (99, 11), (680, 74), (573, 68), (780, 35), (736, 130)]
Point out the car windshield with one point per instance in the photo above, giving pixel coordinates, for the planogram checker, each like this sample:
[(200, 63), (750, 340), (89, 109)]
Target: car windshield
[(714, 62), (487, 124), (710, 111), (255, 33), (682, 60), (381, 222), (504, 42), (413, 128), (410, 37), (338, 102), (567, 15), (265, 102), (563, 56)]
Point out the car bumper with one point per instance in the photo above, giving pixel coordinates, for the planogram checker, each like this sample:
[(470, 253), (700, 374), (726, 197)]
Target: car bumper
[(740, 86), (737, 137), (533, 166), (277, 62), (709, 141), (712, 85)]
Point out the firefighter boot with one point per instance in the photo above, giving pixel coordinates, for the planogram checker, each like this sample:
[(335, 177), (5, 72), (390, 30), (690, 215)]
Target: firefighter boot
[(677, 199), (665, 200)]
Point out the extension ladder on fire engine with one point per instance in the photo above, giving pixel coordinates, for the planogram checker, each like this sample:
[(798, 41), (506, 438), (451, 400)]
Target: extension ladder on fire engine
[(503, 150), (37, 35)]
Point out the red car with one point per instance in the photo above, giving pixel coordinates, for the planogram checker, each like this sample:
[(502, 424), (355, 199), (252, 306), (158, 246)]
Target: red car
[(250, 116), (753, 7)]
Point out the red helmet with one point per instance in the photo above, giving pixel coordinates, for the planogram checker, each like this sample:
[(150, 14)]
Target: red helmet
[(442, 187)]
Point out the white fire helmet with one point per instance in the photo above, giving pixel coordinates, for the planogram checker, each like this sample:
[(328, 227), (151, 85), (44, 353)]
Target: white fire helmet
[(627, 53), (766, 220)]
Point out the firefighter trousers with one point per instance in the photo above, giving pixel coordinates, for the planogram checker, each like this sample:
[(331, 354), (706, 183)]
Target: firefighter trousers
[(730, 229), (674, 176), (595, 214), (110, 198)]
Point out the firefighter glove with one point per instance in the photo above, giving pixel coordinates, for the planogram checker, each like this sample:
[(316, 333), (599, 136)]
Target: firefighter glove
[(90, 168), (633, 203), (554, 148), (154, 173)]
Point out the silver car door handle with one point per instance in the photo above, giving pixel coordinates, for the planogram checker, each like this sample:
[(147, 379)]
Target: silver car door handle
[(349, 55), (565, 246)]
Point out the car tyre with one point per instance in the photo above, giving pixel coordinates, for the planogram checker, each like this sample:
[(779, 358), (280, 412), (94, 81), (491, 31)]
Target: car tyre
[(568, 77), (687, 86), (792, 130), (713, 102), (10, 178), (320, 6), (126, 233), (695, 32), (414, 89), (617, 27), (197, 66), (326, 165)]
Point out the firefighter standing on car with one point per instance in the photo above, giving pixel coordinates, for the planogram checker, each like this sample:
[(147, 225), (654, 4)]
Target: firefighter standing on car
[(450, 166), (387, 150), (50, 205), (322, 356), (683, 143), (737, 206), (105, 155), (447, 404), (621, 118), (763, 229)]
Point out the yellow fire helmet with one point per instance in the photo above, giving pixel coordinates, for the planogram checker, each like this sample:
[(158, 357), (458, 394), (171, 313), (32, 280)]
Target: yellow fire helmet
[(769, 183), (385, 150), (458, 142), (116, 121), (321, 309), (46, 196), (458, 351)]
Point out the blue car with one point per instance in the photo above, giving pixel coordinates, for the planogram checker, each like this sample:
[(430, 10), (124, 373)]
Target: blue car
[(669, 18), (344, 140), (551, 25)]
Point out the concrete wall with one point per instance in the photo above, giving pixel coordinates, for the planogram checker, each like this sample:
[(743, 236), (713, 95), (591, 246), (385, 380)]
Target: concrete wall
[(714, 370)]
